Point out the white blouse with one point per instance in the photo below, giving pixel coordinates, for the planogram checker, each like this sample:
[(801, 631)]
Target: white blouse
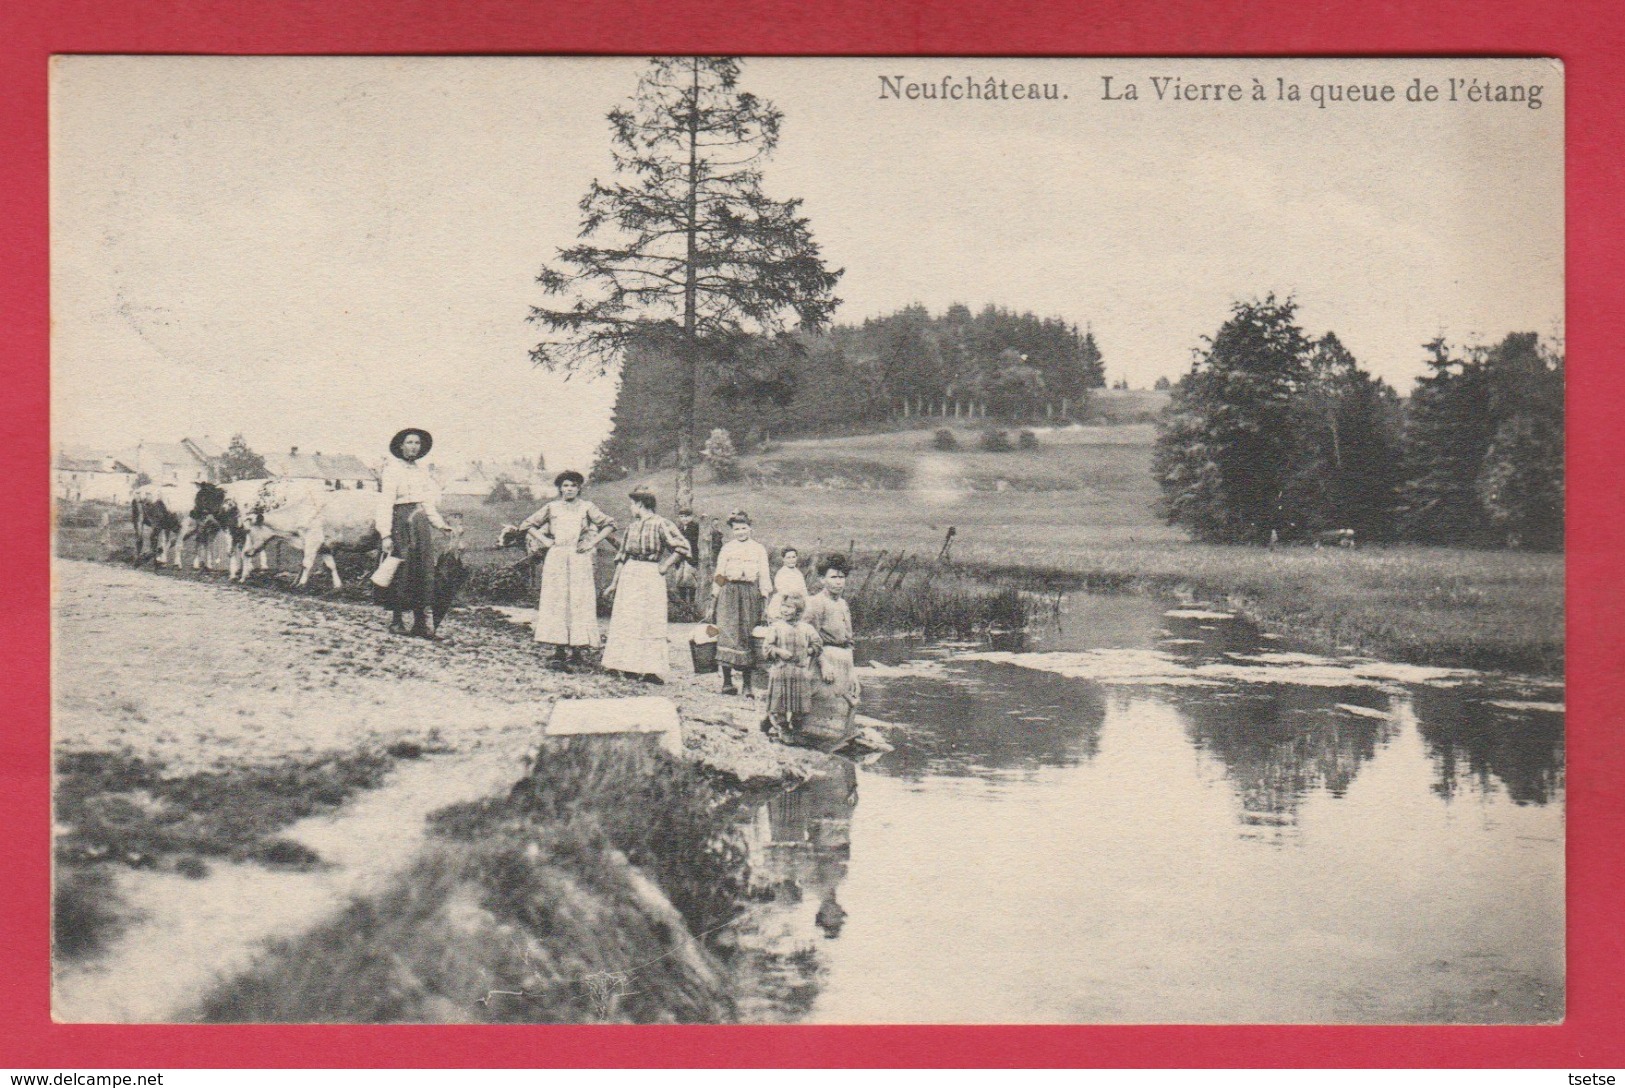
[(746, 561), (789, 580), (403, 482)]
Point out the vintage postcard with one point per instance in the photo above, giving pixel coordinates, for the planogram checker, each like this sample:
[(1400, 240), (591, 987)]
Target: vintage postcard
[(807, 541)]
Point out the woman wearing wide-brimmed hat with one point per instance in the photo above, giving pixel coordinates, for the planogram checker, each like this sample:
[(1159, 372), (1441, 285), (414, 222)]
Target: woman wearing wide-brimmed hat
[(567, 608), (408, 512), (743, 583)]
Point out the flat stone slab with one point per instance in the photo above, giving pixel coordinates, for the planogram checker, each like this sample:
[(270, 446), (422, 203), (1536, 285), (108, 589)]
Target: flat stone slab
[(641, 714)]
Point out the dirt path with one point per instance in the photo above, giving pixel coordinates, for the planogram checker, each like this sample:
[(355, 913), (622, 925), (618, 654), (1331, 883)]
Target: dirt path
[(198, 675)]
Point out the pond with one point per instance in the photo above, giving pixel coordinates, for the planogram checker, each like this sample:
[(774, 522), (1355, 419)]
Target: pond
[(1156, 814)]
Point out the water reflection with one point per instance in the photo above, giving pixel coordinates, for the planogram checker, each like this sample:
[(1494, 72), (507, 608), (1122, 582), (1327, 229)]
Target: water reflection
[(800, 844), (1099, 847), (1278, 746), (1474, 744)]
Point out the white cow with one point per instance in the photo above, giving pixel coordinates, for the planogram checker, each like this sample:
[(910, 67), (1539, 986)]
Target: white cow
[(166, 516), (243, 500), (318, 520)]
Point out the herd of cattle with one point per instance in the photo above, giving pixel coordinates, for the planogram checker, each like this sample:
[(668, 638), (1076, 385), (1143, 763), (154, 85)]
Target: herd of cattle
[(242, 518)]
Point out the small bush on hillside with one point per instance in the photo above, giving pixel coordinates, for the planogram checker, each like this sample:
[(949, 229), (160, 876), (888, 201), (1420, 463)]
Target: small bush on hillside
[(944, 440), (1027, 440), (720, 454), (500, 493), (994, 440)]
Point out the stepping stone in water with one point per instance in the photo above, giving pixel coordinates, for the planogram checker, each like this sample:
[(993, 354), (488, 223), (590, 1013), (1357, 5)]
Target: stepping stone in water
[(648, 715)]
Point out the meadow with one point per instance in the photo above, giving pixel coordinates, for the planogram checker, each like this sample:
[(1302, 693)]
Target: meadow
[(1079, 510)]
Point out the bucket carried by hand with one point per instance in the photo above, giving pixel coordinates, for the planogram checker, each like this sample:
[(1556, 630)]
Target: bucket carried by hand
[(702, 647), (385, 574)]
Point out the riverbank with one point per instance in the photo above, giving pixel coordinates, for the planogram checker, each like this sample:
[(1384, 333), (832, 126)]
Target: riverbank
[(218, 749), (1445, 607)]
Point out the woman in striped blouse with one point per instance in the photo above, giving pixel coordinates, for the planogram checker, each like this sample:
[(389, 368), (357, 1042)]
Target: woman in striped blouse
[(637, 627)]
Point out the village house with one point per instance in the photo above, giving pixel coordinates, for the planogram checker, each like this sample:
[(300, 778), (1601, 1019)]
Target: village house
[(191, 460), (469, 480), (337, 471), (81, 475)]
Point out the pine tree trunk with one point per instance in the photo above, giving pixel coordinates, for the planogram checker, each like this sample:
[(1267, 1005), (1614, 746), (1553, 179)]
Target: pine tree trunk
[(691, 361)]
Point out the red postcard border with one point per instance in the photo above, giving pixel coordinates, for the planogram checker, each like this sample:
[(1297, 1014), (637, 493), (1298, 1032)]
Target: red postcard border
[(1588, 35)]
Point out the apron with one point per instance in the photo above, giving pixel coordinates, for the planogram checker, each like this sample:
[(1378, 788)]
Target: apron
[(567, 611)]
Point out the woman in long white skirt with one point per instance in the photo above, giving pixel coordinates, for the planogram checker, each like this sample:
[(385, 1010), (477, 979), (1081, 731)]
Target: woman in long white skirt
[(567, 608), (637, 627)]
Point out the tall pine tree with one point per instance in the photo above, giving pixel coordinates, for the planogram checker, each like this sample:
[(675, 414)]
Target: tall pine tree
[(1346, 465), (684, 241), (1226, 447)]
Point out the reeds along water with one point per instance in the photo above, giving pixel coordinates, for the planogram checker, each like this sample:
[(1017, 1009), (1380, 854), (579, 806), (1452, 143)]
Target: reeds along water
[(893, 597)]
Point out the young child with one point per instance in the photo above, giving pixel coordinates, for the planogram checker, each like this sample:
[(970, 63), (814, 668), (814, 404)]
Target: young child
[(788, 580), (792, 649)]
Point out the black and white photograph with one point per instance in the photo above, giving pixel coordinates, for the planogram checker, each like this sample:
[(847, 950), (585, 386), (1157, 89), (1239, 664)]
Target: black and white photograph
[(752, 540)]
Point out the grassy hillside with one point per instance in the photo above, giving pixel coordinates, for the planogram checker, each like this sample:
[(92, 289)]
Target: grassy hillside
[(896, 491)]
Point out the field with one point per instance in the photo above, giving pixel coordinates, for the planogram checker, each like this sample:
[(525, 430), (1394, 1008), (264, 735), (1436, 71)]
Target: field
[(1080, 508)]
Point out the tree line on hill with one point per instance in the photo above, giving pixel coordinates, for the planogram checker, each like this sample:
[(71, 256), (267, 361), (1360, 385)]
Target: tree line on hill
[(1274, 434), (995, 363)]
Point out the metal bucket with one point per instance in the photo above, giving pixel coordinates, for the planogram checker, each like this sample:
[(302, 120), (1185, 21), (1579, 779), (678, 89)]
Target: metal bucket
[(702, 647)]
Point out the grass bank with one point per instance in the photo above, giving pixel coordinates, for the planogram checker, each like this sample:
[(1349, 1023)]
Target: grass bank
[(1432, 606), (115, 809), (598, 890)]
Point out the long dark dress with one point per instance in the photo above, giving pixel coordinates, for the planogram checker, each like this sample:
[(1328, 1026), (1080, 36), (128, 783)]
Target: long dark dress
[(414, 583)]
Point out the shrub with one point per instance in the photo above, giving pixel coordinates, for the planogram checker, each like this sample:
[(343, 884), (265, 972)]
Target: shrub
[(944, 439), (86, 913), (1027, 440), (720, 454), (994, 440), (500, 493)]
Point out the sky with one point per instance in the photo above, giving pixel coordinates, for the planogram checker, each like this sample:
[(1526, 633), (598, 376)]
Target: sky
[(316, 252)]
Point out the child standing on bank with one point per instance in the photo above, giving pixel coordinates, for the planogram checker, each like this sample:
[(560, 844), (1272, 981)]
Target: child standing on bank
[(792, 649), (788, 580)]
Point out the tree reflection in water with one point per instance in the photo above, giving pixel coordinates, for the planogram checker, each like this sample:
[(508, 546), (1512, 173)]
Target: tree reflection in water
[(1474, 743), (1278, 745), (965, 727)]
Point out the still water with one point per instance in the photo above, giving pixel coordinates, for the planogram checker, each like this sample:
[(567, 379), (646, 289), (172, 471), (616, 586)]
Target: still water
[(1149, 814)]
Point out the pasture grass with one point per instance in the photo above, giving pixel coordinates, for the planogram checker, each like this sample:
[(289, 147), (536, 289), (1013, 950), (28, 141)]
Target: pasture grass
[(1080, 510), (119, 808)]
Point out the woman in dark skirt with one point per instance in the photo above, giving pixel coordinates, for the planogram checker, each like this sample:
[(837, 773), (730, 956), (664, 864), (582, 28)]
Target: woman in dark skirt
[(739, 592), (408, 514)]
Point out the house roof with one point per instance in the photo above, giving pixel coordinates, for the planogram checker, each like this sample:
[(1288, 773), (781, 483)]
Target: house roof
[(207, 446), (92, 464), (319, 466), (86, 459), (167, 453)]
